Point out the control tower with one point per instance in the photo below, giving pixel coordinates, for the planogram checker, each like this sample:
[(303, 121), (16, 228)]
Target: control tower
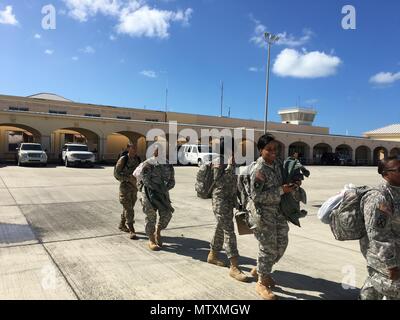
[(299, 116)]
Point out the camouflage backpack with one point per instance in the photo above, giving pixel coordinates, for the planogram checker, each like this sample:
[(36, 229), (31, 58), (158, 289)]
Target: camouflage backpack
[(347, 221), (204, 181)]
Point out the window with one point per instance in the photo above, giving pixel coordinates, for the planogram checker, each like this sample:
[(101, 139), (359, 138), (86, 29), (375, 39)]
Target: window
[(194, 150), (94, 115), (57, 112), (18, 109), (124, 118), (152, 120)]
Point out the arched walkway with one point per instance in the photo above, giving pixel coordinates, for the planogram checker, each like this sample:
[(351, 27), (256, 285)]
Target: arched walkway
[(379, 154), (363, 156), (319, 150), (303, 149)]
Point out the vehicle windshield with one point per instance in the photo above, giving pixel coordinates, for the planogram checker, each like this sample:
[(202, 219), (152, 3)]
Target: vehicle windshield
[(205, 149), (78, 148), (32, 147)]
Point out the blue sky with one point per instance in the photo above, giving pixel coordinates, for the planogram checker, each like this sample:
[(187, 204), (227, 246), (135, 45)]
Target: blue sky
[(124, 52)]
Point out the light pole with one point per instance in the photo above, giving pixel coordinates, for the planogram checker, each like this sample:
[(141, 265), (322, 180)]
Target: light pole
[(271, 39)]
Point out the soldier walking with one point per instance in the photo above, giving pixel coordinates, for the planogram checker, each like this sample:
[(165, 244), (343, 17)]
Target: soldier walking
[(123, 172), (381, 210), (224, 200), (158, 177), (271, 227)]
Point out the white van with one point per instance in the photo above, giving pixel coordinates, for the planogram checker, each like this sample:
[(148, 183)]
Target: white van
[(195, 154)]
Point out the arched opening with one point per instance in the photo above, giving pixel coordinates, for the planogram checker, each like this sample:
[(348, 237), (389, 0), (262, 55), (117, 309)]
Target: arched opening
[(319, 150), (73, 135), (380, 153), (345, 154), (303, 149), (363, 156), (116, 143), (12, 135), (395, 152)]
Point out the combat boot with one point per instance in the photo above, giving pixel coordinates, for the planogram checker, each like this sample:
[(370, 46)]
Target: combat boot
[(122, 226), (157, 236), (235, 272), (213, 259), (152, 243), (132, 233), (269, 279), (264, 290)]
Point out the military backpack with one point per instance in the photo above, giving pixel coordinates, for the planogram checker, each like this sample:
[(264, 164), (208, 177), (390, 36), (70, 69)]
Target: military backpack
[(347, 221), (204, 181)]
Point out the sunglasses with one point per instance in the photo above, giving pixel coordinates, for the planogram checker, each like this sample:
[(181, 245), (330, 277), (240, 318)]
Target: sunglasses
[(393, 170)]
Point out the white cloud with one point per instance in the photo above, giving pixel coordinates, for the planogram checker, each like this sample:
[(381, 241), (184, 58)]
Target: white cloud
[(135, 17), (312, 101), (49, 52), (285, 39), (291, 41), (81, 10), (383, 78), (7, 16), (75, 58), (149, 73), (255, 69), (112, 37), (148, 22), (88, 50), (37, 36), (292, 63)]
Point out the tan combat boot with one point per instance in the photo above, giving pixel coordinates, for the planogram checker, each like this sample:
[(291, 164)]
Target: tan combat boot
[(235, 272), (264, 290), (269, 279), (152, 243), (157, 236), (213, 259), (122, 226), (132, 233)]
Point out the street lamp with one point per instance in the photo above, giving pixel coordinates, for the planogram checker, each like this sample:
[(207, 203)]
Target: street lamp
[(271, 39)]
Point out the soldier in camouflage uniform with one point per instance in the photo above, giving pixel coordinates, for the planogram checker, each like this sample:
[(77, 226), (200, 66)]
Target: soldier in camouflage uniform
[(123, 171), (224, 200), (158, 177), (381, 210), (271, 227)]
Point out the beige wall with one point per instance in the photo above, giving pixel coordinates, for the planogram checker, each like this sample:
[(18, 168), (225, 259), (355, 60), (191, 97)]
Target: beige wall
[(101, 133)]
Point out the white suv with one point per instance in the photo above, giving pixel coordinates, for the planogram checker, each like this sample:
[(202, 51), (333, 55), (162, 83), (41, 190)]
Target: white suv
[(31, 153), (73, 154), (195, 154)]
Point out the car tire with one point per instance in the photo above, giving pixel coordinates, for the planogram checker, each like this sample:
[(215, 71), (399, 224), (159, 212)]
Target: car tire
[(199, 162), (66, 162)]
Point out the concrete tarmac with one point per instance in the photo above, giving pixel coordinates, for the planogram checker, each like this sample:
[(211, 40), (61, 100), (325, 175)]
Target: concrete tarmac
[(59, 240)]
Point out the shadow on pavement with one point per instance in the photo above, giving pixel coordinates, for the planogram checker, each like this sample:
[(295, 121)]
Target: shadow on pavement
[(328, 290), (197, 249), (15, 233)]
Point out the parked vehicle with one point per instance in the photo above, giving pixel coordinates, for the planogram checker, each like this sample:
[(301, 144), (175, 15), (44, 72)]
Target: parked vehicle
[(31, 153), (195, 154), (75, 154)]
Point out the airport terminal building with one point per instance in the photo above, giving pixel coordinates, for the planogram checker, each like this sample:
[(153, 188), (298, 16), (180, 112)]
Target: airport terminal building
[(53, 121)]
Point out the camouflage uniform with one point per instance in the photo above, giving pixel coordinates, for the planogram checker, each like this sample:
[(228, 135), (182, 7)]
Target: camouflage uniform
[(271, 227), (159, 178), (224, 200), (127, 189), (382, 221)]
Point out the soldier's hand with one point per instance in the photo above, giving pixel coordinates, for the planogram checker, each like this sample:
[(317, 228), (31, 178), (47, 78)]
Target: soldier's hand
[(394, 273), (287, 188)]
